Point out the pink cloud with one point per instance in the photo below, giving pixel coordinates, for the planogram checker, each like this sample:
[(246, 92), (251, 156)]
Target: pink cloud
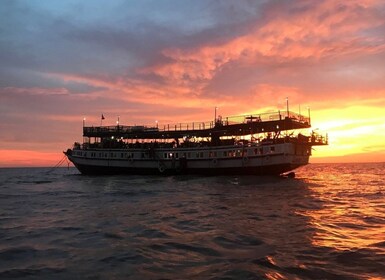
[(34, 91), (286, 49), (28, 158), (324, 29)]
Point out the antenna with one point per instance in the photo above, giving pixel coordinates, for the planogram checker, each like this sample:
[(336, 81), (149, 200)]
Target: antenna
[(287, 106)]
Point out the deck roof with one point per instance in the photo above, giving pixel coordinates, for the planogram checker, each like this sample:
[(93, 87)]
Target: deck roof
[(231, 126)]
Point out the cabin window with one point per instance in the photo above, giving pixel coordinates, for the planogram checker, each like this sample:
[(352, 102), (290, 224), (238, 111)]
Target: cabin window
[(272, 149), (199, 154), (165, 155)]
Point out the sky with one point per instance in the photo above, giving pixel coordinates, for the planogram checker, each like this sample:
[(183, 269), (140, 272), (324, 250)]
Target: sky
[(174, 61)]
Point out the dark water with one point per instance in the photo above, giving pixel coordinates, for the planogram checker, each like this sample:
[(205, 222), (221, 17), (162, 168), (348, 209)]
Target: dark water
[(328, 223)]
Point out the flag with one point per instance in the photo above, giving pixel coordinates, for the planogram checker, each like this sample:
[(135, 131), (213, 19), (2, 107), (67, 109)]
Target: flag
[(103, 117)]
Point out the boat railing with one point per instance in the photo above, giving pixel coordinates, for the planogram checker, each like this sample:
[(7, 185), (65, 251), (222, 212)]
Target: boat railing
[(270, 116), (319, 139), (233, 120), (314, 139), (187, 126)]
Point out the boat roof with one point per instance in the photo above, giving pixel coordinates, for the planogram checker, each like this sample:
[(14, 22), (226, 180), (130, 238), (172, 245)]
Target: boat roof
[(229, 126)]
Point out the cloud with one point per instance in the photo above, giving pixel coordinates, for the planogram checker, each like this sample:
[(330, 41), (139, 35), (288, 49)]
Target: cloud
[(147, 60), (17, 158), (289, 43)]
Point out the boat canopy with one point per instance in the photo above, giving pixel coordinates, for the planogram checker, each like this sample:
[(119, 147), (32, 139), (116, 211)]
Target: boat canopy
[(229, 126)]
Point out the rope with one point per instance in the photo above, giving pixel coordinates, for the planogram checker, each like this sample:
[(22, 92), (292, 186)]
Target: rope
[(64, 158)]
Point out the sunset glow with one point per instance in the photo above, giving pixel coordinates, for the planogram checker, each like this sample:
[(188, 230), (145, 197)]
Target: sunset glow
[(175, 61)]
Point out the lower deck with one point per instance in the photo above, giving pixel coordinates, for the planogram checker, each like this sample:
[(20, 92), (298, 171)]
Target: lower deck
[(223, 152), (271, 159)]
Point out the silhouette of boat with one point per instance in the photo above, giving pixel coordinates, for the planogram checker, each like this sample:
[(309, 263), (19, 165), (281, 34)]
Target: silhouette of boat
[(257, 144)]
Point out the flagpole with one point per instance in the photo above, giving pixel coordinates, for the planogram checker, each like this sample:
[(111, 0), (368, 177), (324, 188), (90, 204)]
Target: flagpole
[(84, 124)]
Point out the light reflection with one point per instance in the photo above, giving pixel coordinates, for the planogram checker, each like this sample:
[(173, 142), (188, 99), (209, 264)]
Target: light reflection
[(273, 275), (349, 218)]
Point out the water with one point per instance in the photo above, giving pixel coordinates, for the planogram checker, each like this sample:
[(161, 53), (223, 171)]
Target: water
[(328, 223)]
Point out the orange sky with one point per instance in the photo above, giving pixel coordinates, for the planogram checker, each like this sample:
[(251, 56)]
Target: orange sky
[(176, 61)]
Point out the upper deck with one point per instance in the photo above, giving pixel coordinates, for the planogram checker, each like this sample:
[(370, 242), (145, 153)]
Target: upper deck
[(229, 126)]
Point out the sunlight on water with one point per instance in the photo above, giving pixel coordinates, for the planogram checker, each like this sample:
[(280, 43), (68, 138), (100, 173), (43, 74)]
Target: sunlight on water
[(353, 208)]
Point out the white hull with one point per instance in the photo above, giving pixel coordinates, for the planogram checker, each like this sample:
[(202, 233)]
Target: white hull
[(256, 159)]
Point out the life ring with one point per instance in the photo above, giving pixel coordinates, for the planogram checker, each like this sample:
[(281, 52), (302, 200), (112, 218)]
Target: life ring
[(267, 158), (161, 167), (245, 159), (215, 161)]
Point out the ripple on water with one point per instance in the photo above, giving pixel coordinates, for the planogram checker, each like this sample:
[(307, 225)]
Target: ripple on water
[(325, 224), (27, 261)]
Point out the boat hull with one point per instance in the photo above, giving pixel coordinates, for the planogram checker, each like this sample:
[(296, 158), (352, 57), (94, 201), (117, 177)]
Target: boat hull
[(227, 161), (275, 170)]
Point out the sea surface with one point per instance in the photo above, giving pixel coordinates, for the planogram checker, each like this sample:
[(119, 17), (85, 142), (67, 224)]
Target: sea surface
[(327, 223)]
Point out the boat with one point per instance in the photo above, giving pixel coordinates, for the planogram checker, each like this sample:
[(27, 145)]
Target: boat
[(256, 144)]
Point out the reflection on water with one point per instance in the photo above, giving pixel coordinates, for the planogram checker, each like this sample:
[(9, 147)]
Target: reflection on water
[(326, 224), (353, 211)]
